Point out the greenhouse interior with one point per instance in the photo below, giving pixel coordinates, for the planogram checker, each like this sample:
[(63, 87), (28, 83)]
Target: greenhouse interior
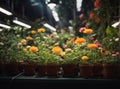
[(59, 44)]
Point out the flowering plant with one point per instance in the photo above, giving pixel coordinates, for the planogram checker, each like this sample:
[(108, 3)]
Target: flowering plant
[(38, 47), (80, 49), (89, 47), (10, 52), (99, 19), (110, 52)]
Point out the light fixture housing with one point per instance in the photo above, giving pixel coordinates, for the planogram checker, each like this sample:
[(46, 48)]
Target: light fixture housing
[(5, 11), (49, 27), (21, 22)]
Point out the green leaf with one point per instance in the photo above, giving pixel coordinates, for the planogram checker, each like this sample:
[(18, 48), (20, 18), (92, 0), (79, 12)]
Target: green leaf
[(111, 31)]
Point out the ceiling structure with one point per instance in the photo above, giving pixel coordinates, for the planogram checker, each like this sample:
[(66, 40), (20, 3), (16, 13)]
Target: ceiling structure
[(34, 9), (38, 9), (29, 9)]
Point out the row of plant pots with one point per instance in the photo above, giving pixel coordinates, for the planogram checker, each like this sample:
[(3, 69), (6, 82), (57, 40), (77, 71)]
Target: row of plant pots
[(64, 70), (108, 71)]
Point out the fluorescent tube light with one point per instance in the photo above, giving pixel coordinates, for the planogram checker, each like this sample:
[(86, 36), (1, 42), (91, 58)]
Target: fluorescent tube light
[(4, 26), (5, 11), (52, 6), (16, 21), (116, 24), (49, 27), (55, 15), (78, 4)]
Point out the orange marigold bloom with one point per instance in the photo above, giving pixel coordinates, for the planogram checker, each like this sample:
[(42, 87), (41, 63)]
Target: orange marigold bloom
[(88, 31), (29, 38), (92, 15), (97, 20), (41, 30), (33, 49), (57, 50), (92, 46), (23, 41), (84, 58), (80, 40), (33, 32)]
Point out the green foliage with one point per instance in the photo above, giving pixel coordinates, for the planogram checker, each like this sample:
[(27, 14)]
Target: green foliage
[(111, 43), (111, 31), (9, 50), (110, 59), (71, 58)]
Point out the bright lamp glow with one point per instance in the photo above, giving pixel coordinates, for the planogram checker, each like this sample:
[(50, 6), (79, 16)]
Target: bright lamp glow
[(4, 26), (52, 6), (116, 24), (49, 27), (16, 21), (5, 11), (55, 15), (78, 4)]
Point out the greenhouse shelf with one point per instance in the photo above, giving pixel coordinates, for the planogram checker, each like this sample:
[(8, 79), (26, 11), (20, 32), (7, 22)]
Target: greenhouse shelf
[(34, 82)]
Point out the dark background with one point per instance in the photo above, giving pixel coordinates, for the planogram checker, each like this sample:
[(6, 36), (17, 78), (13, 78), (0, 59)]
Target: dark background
[(28, 10)]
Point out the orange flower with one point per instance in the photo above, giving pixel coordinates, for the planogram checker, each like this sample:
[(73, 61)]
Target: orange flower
[(97, 20), (92, 46), (33, 32), (24, 49), (33, 49), (92, 15), (72, 40), (88, 31), (29, 38), (80, 40), (23, 41), (57, 50), (97, 4), (41, 30), (84, 58)]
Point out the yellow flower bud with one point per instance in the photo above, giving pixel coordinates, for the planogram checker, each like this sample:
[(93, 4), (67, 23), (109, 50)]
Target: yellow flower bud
[(62, 54), (84, 58)]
